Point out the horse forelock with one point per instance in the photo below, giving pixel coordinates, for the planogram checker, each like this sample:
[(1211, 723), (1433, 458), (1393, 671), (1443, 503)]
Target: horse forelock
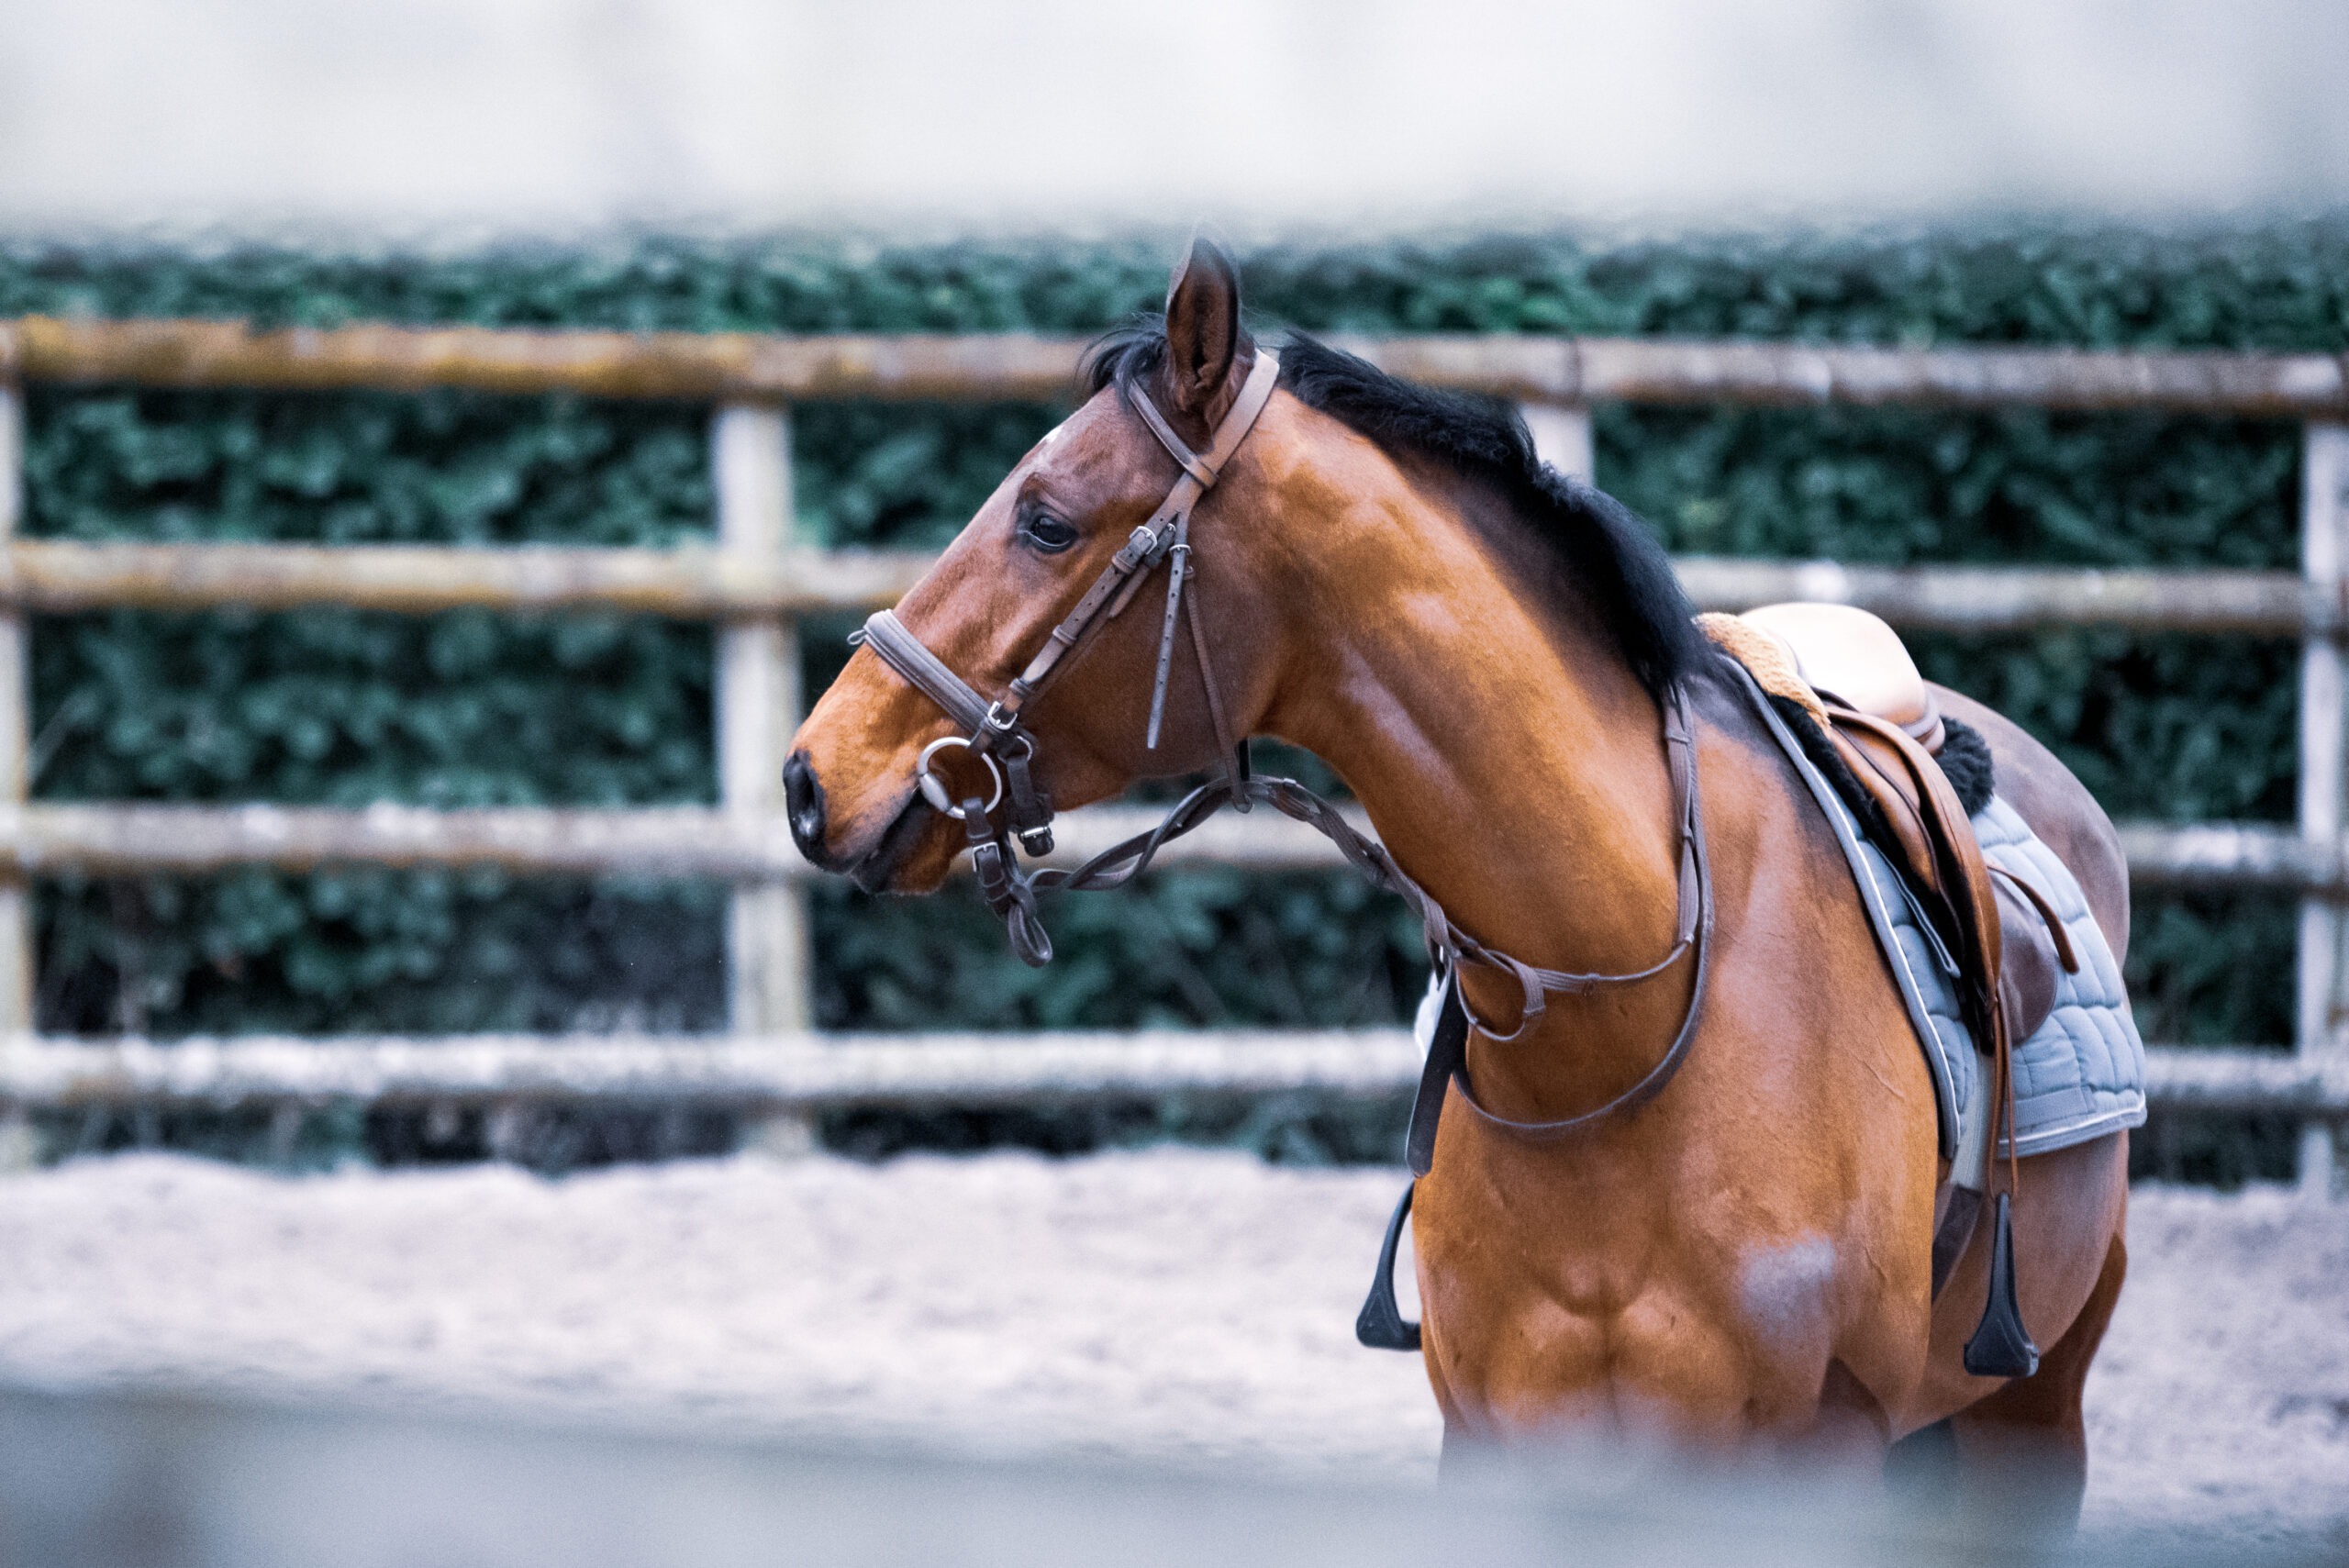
[(1123, 357), (1603, 544)]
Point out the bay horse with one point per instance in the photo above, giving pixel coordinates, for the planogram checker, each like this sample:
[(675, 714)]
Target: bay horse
[(1488, 653)]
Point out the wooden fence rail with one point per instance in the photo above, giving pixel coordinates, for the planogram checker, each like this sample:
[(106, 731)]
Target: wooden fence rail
[(48, 839), (745, 367), (756, 578), (763, 1073), (695, 583), (58, 577)]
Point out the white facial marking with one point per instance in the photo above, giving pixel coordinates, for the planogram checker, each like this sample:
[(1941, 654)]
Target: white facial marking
[(1783, 1291), (1053, 434)]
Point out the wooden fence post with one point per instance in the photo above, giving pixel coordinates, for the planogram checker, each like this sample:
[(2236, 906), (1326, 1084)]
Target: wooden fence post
[(16, 734), (2323, 1014), (19, 1148), (758, 700), (1562, 436)]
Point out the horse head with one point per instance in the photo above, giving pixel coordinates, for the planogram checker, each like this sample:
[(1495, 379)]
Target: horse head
[(1043, 540)]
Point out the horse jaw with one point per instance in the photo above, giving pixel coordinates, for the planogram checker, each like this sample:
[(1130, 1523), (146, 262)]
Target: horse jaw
[(915, 853)]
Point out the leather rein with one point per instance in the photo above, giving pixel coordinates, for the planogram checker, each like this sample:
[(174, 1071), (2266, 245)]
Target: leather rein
[(996, 734)]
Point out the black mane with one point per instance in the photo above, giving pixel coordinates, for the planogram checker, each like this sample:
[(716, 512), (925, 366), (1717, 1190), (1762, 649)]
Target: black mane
[(1599, 539)]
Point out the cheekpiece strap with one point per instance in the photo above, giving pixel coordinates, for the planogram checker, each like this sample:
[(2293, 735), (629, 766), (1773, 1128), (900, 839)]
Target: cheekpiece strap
[(1176, 447), (1207, 467)]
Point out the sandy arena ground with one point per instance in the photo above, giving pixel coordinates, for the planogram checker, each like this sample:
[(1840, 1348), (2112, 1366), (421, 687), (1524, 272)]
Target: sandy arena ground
[(1175, 1303)]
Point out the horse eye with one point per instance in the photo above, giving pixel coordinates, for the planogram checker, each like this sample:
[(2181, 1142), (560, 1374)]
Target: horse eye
[(1050, 534)]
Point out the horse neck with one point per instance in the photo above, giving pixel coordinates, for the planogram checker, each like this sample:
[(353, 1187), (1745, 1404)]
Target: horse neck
[(1501, 745)]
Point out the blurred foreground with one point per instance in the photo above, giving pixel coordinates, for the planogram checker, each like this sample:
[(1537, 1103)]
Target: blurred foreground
[(1179, 1310), (385, 113), (132, 1483)]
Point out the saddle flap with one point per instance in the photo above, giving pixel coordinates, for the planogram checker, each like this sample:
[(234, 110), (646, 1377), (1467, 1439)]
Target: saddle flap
[(1938, 842), (1889, 782)]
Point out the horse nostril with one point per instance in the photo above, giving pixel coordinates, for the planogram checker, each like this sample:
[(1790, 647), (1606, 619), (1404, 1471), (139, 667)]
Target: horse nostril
[(802, 799)]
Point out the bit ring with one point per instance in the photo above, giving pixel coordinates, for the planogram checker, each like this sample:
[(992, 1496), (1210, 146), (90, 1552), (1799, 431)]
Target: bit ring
[(933, 788)]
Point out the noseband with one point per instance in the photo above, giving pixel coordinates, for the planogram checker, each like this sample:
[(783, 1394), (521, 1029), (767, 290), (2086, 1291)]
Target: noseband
[(995, 733)]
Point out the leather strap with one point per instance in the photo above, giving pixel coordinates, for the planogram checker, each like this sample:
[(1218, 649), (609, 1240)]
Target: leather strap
[(1198, 467), (1122, 861), (1697, 925), (1447, 1066), (1150, 544), (1694, 894), (1959, 868), (1966, 877), (1178, 563), (1233, 749), (1231, 430), (2064, 954), (1255, 392), (910, 657), (1447, 1056)]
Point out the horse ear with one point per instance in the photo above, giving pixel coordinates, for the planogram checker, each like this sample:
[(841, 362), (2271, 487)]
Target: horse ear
[(1203, 332)]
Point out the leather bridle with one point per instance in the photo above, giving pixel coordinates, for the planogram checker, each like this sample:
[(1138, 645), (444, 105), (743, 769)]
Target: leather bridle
[(996, 733)]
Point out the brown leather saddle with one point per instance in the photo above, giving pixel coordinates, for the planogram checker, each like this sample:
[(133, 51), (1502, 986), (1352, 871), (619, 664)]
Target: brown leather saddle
[(1855, 677)]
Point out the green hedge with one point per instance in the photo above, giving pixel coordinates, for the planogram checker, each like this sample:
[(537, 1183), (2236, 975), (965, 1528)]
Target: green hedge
[(332, 707)]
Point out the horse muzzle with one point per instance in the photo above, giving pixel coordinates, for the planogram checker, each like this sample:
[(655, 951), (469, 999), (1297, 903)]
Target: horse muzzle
[(891, 861)]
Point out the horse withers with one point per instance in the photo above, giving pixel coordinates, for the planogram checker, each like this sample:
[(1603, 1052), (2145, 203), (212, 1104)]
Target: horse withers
[(1502, 668)]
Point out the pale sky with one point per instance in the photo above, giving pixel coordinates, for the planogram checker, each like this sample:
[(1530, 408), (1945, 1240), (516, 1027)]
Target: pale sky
[(522, 115)]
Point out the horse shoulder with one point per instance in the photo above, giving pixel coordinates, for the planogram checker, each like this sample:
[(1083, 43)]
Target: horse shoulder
[(1832, 1221)]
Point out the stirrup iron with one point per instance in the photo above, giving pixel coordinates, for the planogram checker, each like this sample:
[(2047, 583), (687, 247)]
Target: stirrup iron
[(1380, 1325), (2001, 1346)]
